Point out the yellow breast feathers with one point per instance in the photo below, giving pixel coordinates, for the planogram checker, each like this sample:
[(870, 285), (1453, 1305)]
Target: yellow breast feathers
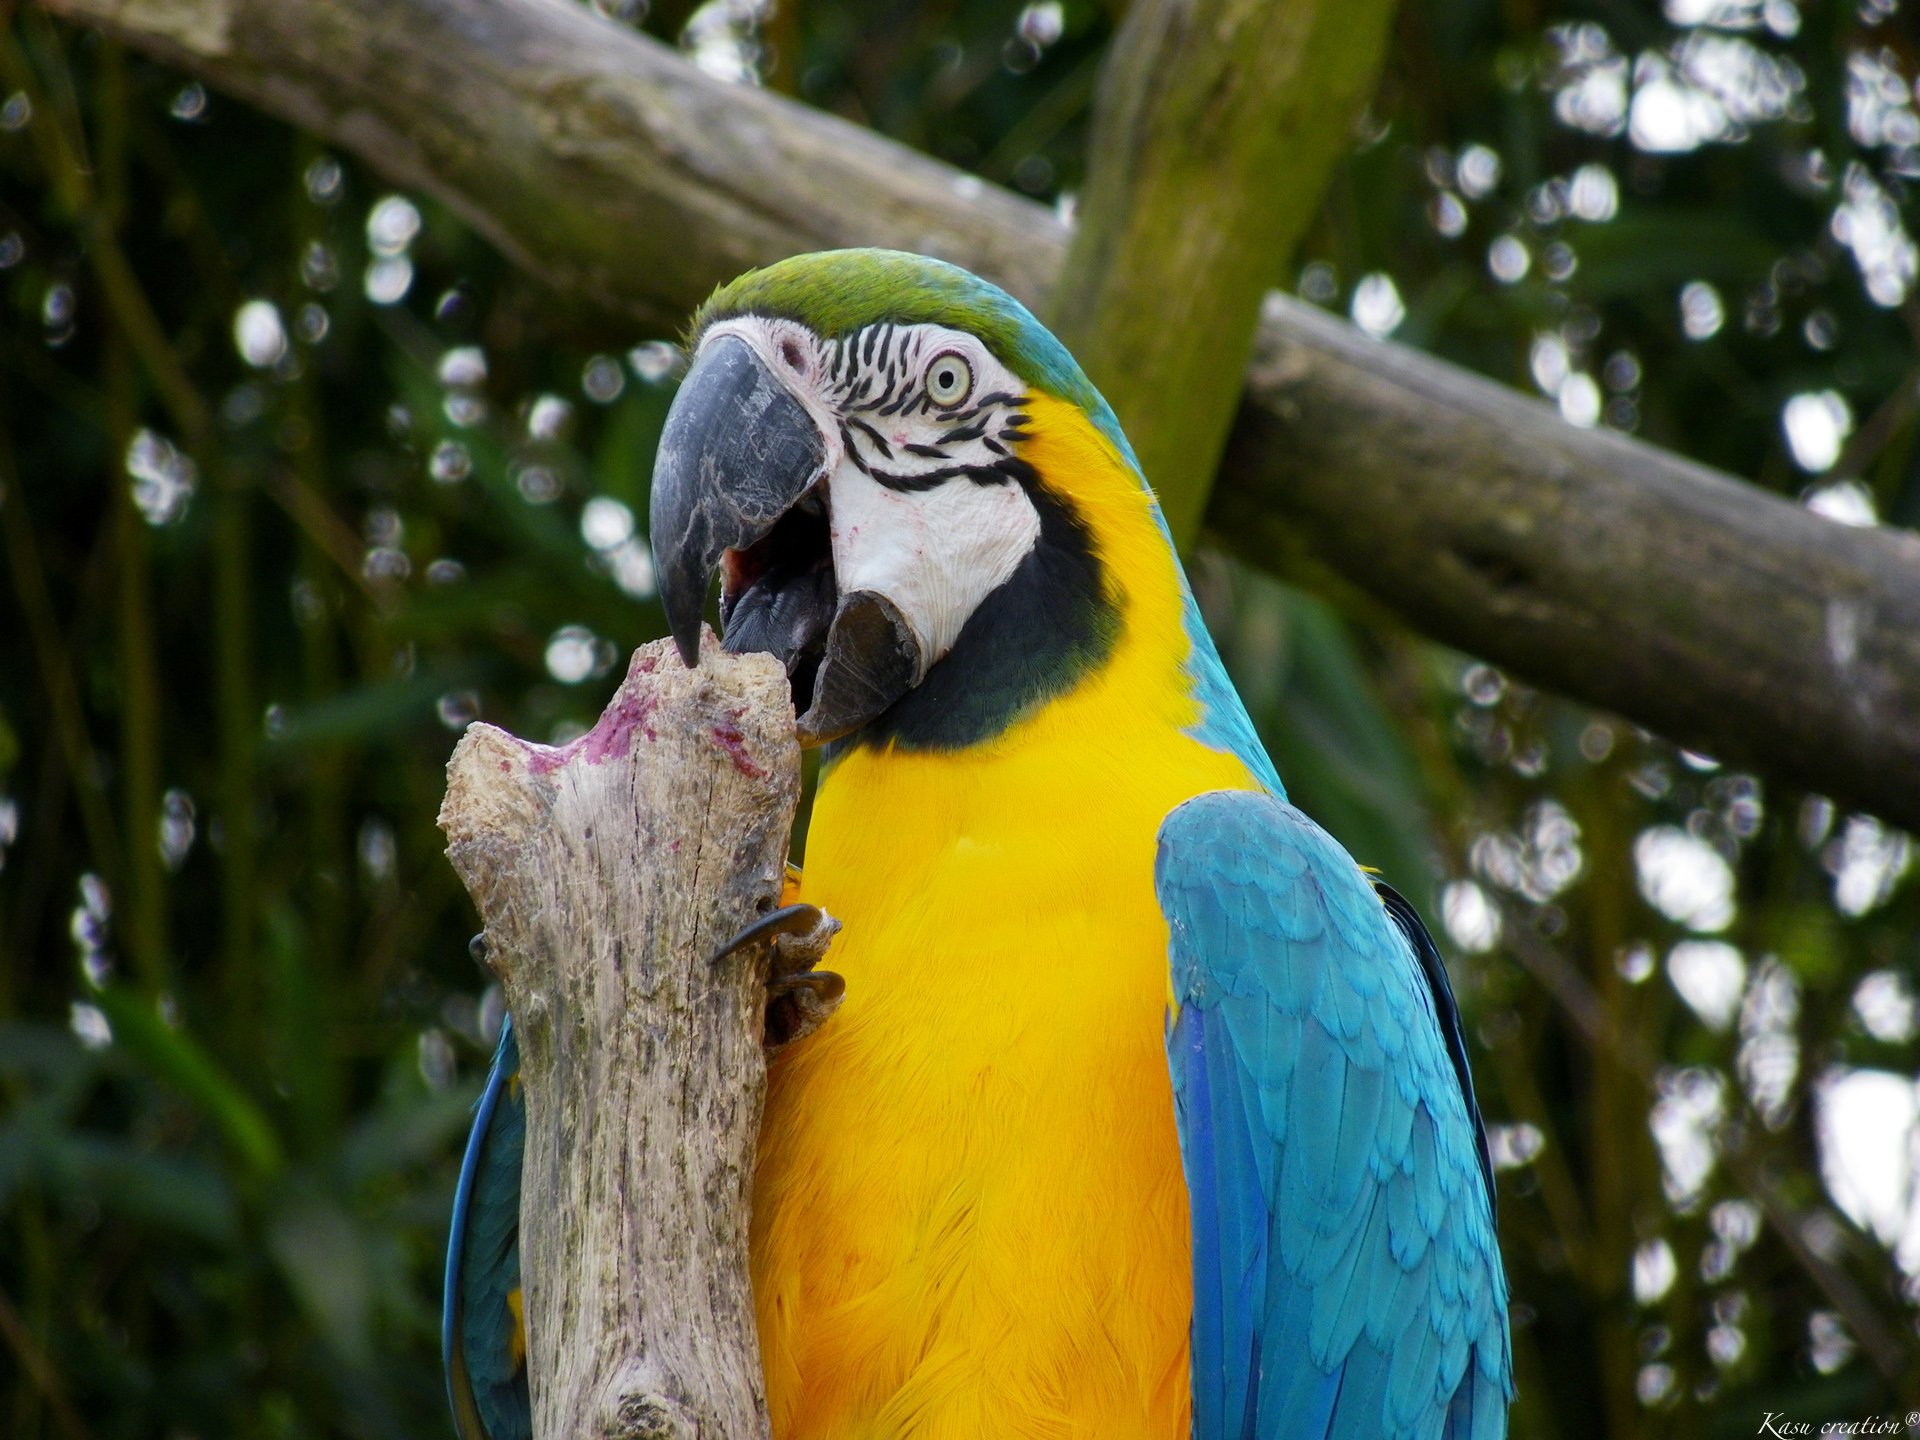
[(970, 1219)]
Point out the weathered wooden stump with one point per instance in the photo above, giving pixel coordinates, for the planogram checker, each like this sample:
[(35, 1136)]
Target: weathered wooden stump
[(608, 872)]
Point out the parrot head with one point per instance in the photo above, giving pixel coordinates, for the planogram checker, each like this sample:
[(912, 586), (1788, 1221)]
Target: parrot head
[(853, 449)]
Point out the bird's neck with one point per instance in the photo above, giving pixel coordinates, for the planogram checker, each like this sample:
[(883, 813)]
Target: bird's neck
[(1080, 685), (1091, 614)]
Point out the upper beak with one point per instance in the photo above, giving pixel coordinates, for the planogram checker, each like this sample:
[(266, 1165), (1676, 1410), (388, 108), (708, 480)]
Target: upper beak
[(737, 452)]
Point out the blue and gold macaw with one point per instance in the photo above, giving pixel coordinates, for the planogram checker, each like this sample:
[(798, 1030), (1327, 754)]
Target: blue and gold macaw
[(1147, 1112)]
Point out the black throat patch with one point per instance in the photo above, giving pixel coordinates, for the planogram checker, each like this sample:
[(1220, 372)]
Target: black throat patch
[(1028, 642)]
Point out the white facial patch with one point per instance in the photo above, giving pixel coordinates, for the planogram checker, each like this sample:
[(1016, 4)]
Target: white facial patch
[(934, 553), (792, 352), (911, 415)]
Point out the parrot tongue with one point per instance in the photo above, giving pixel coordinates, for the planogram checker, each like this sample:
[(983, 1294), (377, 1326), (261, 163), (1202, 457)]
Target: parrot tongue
[(778, 596)]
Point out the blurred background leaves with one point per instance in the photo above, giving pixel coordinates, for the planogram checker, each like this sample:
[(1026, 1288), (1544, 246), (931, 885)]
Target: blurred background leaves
[(297, 478)]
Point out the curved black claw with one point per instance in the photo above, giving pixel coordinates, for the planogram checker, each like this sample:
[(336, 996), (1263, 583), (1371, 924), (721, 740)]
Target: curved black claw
[(800, 1004), (787, 920), (799, 997)]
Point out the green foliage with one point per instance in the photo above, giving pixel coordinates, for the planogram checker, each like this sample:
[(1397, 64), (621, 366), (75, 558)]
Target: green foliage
[(258, 567)]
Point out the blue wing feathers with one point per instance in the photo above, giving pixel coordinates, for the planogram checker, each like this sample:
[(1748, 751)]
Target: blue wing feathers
[(1347, 1280), (486, 1382), (1356, 1417), (1234, 1248), (1447, 1012), (1295, 1399)]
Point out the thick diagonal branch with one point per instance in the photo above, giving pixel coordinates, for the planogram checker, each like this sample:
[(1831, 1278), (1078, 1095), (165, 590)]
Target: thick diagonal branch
[(1730, 620), (1217, 127), (608, 872)]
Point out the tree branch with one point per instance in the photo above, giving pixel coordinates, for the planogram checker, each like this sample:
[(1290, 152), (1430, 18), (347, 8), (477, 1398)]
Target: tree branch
[(1729, 619), (1592, 564), (607, 872), (1217, 126)]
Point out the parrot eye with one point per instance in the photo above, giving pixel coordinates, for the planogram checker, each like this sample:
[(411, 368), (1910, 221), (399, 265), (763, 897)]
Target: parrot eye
[(949, 379)]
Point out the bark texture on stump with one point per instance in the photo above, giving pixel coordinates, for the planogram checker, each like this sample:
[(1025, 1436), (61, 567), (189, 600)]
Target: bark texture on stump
[(608, 871)]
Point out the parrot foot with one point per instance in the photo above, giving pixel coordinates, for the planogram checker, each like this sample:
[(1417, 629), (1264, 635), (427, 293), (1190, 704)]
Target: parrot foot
[(799, 997)]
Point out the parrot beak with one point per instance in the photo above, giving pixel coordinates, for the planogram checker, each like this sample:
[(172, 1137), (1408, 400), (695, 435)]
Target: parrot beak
[(739, 487), (737, 452)]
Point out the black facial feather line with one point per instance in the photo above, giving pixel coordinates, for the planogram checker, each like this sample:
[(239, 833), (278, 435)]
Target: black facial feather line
[(874, 373)]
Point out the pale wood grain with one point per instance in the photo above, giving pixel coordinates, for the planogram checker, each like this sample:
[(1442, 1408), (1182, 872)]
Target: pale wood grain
[(608, 872)]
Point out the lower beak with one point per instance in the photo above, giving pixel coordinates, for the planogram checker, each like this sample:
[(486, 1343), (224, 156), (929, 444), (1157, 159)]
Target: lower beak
[(872, 660), (738, 457)]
